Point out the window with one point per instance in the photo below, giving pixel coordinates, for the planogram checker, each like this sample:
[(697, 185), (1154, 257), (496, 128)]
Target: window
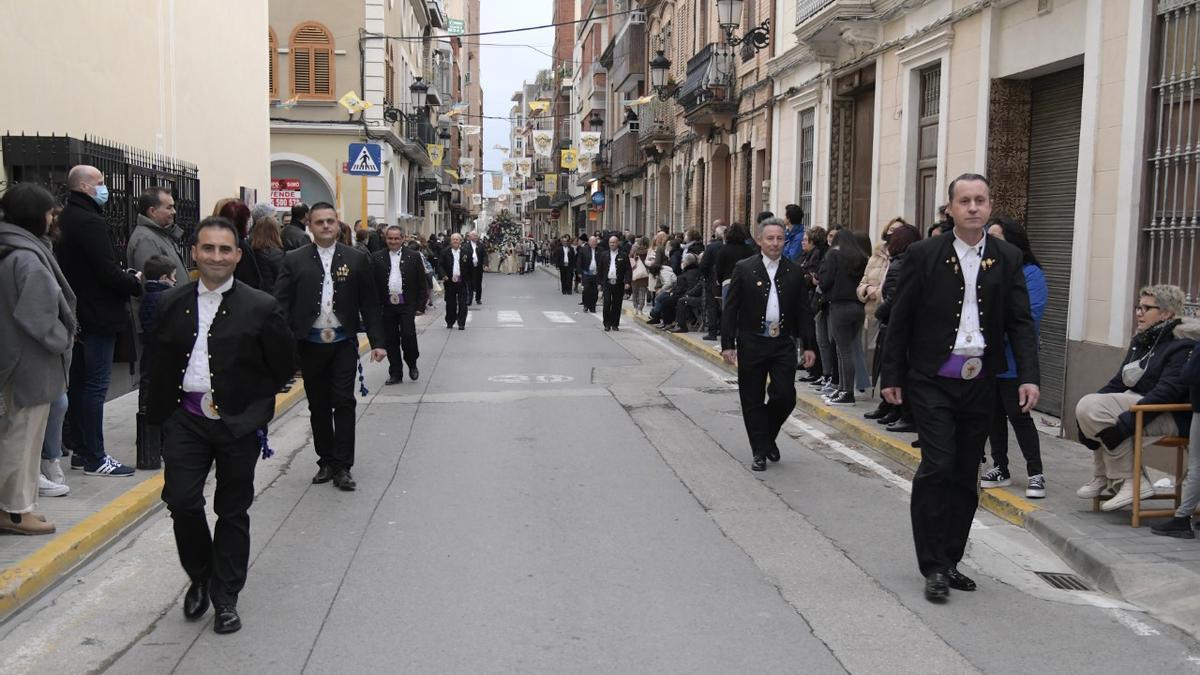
[(389, 75), (930, 80), (805, 167), (312, 62), (272, 50)]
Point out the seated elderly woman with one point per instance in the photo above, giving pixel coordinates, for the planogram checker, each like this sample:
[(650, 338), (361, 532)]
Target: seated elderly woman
[(1149, 374)]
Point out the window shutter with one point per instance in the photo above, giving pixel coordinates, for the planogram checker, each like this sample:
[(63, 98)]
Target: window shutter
[(312, 62), (272, 50)]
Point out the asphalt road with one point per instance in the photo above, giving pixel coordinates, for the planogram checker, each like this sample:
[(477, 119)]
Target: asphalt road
[(552, 498)]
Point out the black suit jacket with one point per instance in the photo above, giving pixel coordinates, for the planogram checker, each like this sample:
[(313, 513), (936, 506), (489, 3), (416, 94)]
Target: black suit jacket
[(603, 259), (583, 260), (464, 263), (355, 298), (480, 252), (89, 263), (412, 272), (556, 254), (924, 318), (250, 353), (746, 304)]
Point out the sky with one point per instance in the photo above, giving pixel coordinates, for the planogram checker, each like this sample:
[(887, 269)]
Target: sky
[(503, 69)]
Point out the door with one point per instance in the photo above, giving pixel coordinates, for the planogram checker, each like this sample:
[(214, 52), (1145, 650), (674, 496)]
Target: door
[(1055, 110)]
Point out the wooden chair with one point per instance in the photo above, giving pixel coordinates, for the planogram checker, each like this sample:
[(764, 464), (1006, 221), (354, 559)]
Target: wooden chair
[(1180, 443)]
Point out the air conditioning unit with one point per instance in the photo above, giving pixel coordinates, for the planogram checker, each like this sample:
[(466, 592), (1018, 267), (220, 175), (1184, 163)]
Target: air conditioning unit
[(637, 17)]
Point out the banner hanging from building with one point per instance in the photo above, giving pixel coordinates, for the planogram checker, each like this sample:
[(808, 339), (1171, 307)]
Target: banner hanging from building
[(470, 129), (589, 143), (543, 142), (550, 183), (524, 167), (435, 153), (476, 199), (585, 164), (509, 167), (466, 166), (570, 159), (539, 106), (497, 182)]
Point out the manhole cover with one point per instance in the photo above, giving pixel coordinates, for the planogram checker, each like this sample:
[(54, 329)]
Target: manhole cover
[(1064, 582)]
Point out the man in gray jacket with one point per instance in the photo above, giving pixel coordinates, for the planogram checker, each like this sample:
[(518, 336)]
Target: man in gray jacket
[(156, 232), (37, 350)]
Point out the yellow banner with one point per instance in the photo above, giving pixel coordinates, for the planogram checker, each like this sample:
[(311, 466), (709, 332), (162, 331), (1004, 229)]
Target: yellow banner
[(539, 106), (550, 182), (570, 159), (435, 153)]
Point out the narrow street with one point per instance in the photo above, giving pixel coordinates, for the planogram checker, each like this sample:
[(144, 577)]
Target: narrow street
[(553, 498)]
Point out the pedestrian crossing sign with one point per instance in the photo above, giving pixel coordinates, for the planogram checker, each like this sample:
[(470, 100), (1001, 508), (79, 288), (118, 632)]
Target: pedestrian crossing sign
[(365, 159)]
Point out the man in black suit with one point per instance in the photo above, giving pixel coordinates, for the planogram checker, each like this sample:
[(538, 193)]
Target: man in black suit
[(586, 260), (221, 351), (960, 294), (324, 289), (403, 289), (564, 258), (457, 271), (479, 260), (613, 266), (766, 311)]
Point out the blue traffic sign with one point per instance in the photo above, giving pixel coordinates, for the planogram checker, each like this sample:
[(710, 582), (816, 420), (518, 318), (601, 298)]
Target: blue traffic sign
[(366, 159), (598, 198)]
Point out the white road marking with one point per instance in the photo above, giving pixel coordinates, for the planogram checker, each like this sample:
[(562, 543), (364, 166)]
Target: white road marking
[(688, 358), (1139, 629), (508, 316), (558, 317)]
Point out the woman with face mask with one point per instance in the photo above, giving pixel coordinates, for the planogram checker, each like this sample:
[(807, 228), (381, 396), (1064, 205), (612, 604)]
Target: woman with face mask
[(1150, 373)]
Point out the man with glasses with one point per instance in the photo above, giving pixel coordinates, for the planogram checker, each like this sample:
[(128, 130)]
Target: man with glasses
[(1149, 374)]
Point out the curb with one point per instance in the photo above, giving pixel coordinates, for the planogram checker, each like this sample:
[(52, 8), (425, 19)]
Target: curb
[(1004, 504), (23, 581)]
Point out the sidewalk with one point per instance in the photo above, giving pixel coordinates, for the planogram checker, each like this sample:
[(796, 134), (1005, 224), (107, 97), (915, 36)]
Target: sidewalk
[(1159, 574)]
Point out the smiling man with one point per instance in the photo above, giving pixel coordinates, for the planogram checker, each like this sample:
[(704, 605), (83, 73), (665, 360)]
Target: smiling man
[(221, 351), (959, 295)]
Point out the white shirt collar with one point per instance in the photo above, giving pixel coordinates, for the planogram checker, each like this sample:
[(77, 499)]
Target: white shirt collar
[(201, 289), (770, 264), (962, 247), (396, 252)]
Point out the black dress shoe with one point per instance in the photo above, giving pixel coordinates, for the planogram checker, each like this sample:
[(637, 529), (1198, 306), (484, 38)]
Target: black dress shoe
[(606, 329), (711, 337), (881, 411), (227, 620), (394, 380), (413, 373), (959, 581), (902, 427), (937, 587), (344, 481), (773, 453), (890, 418), (324, 475), (759, 464), (809, 379), (462, 327), (195, 601)]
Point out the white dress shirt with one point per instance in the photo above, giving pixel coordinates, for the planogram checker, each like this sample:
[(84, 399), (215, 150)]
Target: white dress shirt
[(969, 340), (592, 264), (196, 377), (395, 279), (566, 254), (612, 267), (326, 318), (474, 254), (772, 266), (456, 273)]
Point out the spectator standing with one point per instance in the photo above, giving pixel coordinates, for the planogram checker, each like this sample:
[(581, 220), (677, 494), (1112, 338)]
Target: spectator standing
[(840, 274), (156, 232), (901, 238), (160, 276), (236, 211), (1008, 408), (103, 289), (38, 305), (738, 246), (872, 282), (814, 248), (295, 232), (266, 244), (712, 287), (639, 278), (831, 377), (793, 249)]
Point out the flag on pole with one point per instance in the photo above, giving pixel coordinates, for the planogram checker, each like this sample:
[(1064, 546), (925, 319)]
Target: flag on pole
[(570, 159), (550, 183), (435, 153)]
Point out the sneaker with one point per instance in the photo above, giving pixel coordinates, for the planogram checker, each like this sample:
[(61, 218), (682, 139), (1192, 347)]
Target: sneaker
[(1124, 496), (844, 398), (820, 383), (48, 488), (1037, 487), (77, 463), (1174, 527), (52, 469), (1092, 489), (994, 478), (110, 467)]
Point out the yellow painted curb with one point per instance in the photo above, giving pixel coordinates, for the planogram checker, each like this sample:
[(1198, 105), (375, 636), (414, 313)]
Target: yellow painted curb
[(24, 580), (999, 501)]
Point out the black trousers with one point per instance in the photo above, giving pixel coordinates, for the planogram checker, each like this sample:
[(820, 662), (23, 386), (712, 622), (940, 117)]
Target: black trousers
[(712, 308), (400, 337), (1008, 409), (329, 371), (953, 418), (476, 285), (760, 358), (191, 445), (687, 308), (458, 298), (590, 292), (565, 276), (614, 294)]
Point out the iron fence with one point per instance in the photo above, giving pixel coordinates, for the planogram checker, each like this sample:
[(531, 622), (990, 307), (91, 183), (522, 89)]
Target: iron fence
[(128, 171)]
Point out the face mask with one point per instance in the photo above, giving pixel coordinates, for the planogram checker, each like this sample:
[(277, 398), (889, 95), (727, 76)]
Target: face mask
[(101, 195)]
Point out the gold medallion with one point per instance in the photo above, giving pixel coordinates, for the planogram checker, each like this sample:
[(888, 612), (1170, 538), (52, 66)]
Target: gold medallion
[(328, 335), (972, 368), (773, 329), (209, 407)]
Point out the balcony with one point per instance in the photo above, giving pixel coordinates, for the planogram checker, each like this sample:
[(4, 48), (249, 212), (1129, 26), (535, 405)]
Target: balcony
[(707, 96), (658, 127), (437, 13), (626, 158), (826, 26), (437, 76), (629, 58)]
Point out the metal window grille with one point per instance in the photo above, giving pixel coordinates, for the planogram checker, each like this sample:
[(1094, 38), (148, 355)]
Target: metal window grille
[(807, 136), (931, 90), (805, 9), (1174, 164), (127, 171)]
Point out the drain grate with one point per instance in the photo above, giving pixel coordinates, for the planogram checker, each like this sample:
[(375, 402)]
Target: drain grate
[(1064, 582)]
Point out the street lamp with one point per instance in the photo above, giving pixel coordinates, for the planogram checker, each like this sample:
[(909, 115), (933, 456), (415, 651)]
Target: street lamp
[(660, 66), (596, 122), (729, 13), (444, 137), (418, 89)]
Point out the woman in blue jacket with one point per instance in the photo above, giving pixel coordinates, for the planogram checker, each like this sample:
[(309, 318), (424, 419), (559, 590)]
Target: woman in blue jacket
[(1007, 407)]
